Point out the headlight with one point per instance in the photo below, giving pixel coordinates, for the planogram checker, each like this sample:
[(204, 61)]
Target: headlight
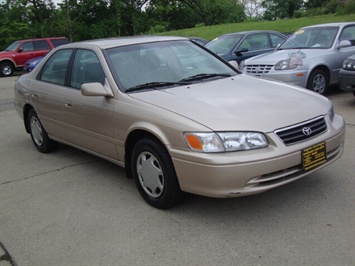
[(285, 65), (331, 112), (225, 141), (349, 64)]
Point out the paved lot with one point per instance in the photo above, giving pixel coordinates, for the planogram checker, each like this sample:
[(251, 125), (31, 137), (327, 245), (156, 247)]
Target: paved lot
[(71, 208)]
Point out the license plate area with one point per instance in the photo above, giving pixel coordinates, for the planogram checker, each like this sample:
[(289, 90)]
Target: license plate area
[(314, 156)]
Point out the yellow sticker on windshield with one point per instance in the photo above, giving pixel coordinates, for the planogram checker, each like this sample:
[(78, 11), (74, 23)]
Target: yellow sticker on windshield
[(299, 32)]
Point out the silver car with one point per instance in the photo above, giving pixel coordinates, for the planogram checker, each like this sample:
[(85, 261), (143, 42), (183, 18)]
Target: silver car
[(310, 58), (177, 117)]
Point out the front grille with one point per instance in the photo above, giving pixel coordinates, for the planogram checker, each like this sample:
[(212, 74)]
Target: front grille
[(257, 69), (302, 131)]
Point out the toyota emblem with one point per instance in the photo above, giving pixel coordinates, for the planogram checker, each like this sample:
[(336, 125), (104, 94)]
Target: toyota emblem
[(307, 131)]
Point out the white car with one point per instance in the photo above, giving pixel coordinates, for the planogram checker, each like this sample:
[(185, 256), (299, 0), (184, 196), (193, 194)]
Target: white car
[(310, 58)]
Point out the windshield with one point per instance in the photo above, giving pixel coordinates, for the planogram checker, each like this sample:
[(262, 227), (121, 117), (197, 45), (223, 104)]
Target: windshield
[(13, 46), (163, 64), (312, 38), (224, 45)]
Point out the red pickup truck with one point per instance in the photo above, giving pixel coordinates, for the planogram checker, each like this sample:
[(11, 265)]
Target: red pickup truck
[(16, 55)]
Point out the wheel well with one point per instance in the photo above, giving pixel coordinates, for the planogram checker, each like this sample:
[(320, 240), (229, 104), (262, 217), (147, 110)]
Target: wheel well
[(26, 111), (8, 61), (131, 140), (321, 67)]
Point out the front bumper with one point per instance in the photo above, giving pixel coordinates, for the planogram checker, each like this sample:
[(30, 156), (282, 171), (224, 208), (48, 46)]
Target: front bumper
[(292, 77), (347, 80), (251, 172)]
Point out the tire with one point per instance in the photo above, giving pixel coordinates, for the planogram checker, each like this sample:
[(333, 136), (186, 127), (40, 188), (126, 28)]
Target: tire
[(6, 69), (39, 135), (154, 174), (318, 82)]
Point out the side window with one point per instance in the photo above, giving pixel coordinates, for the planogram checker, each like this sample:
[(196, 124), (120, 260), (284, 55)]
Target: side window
[(41, 45), (55, 68), (275, 40), (257, 41), (348, 34), (57, 42), (27, 46), (86, 69), (244, 45)]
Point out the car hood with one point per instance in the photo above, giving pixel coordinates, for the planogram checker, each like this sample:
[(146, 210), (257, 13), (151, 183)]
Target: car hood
[(239, 103), (5, 53), (278, 55)]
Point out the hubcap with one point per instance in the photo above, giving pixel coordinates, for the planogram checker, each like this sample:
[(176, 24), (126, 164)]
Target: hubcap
[(319, 83), (150, 174), (6, 70), (36, 131)]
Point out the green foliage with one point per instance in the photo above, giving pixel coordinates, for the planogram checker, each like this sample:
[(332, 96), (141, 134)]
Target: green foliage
[(321, 7), (89, 19), (289, 25), (347, 8), (281, 8)]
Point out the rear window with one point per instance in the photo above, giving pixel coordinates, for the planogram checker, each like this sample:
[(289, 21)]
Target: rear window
[(58, 42)]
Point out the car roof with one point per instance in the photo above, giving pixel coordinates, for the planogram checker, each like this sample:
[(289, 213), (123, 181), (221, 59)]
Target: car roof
[(38, 39), (334, 24), (123, 41), (251, 31)]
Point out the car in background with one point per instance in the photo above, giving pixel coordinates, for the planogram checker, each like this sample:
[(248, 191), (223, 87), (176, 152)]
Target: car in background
[(19, 52), (236, 47), (32, 63), (347, 75), (310, 58), (177, 117)]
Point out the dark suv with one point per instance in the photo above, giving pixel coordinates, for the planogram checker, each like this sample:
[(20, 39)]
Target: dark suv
[(16, 55)]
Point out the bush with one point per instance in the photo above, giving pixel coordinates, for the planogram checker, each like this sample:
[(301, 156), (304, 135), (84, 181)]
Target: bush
[(346, 9)]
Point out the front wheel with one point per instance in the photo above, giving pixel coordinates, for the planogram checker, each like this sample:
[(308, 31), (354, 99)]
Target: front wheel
[(154, 174), (39, 135), (318, 82), (6, 69)]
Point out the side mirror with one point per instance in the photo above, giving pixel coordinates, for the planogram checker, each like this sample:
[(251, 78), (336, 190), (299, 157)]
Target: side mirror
[(240, 51), (95, 89), (344, 43), (20, 50)]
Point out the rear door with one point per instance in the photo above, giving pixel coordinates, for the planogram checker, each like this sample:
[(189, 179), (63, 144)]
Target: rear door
[(41, 47)]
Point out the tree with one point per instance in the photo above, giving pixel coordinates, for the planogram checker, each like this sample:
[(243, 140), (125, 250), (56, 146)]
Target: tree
[(281, 8), (213, 12), (13, 23), (252, 8)]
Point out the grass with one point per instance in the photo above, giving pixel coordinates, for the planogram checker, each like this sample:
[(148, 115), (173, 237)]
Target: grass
[(288, 25)]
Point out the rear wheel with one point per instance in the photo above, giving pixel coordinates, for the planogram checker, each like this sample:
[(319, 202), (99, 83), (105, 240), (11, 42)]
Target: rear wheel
[(318, 82), (6, 69), (154, 174), (38, 134)]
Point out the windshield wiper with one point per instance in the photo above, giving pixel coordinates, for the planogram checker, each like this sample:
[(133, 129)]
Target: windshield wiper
[(205, 76), (153, 85)]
